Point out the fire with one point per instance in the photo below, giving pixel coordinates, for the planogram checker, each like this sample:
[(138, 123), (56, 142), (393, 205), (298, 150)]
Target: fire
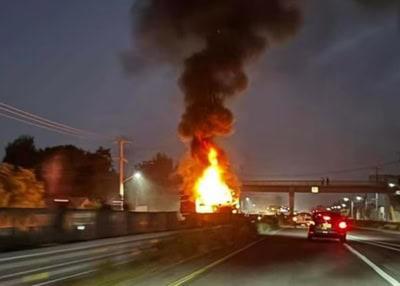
[(211, 190)]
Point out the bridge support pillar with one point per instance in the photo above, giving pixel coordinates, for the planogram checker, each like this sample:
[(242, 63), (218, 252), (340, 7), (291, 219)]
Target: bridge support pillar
[(291, 201)]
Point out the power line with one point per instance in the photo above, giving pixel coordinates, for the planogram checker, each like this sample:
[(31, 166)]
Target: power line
[(41, 122), (22, 113), (37, 125), (337, 171)]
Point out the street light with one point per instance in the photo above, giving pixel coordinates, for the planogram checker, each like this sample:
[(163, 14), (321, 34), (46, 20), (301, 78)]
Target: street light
[(137, 175), (392, 185), (358, 198), (344, 205), (346, 199)]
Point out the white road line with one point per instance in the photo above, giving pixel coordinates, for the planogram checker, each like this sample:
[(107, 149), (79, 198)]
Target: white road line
[(207, 267), (193, 275), (379, 244), (376, 268), (388, 243), (379, 230), (64, 278)]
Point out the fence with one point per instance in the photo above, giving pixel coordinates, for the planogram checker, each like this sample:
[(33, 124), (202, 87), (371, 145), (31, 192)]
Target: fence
[(20, 227)]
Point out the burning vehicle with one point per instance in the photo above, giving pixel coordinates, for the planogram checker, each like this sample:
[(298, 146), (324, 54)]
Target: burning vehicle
[(211, 186)]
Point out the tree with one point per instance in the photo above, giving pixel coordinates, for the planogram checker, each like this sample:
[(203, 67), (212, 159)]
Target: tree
[(160, 169), (71, 171), (66, 170), (22, 152), (19, 188)]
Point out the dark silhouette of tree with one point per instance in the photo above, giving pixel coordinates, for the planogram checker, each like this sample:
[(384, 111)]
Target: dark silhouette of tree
[(22, 152), (160, 169), (71, 171), (66, 170)]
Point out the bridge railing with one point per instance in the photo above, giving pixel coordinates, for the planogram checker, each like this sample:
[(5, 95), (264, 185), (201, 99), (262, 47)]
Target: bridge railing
[(311, 183)]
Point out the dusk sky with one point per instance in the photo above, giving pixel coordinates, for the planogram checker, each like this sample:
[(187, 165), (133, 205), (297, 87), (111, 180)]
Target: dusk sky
[(327, 99)]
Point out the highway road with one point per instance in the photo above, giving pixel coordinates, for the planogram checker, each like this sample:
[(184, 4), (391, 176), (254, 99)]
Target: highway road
[(284, 257), (288, 258)]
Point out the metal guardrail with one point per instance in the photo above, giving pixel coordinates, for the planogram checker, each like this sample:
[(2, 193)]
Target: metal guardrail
[(46, 266)]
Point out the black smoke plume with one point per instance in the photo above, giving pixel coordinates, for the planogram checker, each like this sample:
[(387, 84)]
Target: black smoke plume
[(215, 39)]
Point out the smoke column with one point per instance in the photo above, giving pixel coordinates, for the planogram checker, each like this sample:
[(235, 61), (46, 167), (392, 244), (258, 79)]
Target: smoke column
[(226, 34), (211, 41)]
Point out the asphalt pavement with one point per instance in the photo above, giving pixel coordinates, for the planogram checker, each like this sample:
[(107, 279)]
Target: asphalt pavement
[(288, 258)]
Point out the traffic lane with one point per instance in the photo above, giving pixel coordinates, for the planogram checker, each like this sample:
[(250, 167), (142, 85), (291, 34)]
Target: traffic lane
[(375, 235), (383, 249), (288, 258), (173, 272)]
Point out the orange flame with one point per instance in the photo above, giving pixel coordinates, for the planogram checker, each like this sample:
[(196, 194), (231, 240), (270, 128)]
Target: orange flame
[(211, 191)]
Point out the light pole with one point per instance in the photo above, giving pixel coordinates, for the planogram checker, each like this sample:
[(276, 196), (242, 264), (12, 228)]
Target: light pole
[(345, 204), (352, 209), (138, 177), (348, 200), (358, 199)]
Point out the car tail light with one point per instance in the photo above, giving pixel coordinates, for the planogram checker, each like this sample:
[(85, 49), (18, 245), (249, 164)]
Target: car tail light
[(326, 217), (342, 225)]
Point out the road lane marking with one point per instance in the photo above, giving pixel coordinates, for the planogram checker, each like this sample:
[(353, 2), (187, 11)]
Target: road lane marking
[(191, 276), (200, 271), (376, 268), (64, 278), (388, 243), (35, 277), (378, 230), (379, 244), (394, 243)]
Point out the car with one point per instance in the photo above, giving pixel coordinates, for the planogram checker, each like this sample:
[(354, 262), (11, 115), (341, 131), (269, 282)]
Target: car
[(328, 225), (302, 219)]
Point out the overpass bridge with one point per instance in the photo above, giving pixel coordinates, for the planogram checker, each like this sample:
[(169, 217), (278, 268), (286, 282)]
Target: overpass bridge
[(314, 186)]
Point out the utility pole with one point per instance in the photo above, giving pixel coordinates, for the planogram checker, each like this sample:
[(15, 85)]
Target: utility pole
[(376, 174), (122, 160), (376, 194)]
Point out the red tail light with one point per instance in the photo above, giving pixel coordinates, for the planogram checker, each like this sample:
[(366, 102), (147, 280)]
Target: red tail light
[(342, 225)]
